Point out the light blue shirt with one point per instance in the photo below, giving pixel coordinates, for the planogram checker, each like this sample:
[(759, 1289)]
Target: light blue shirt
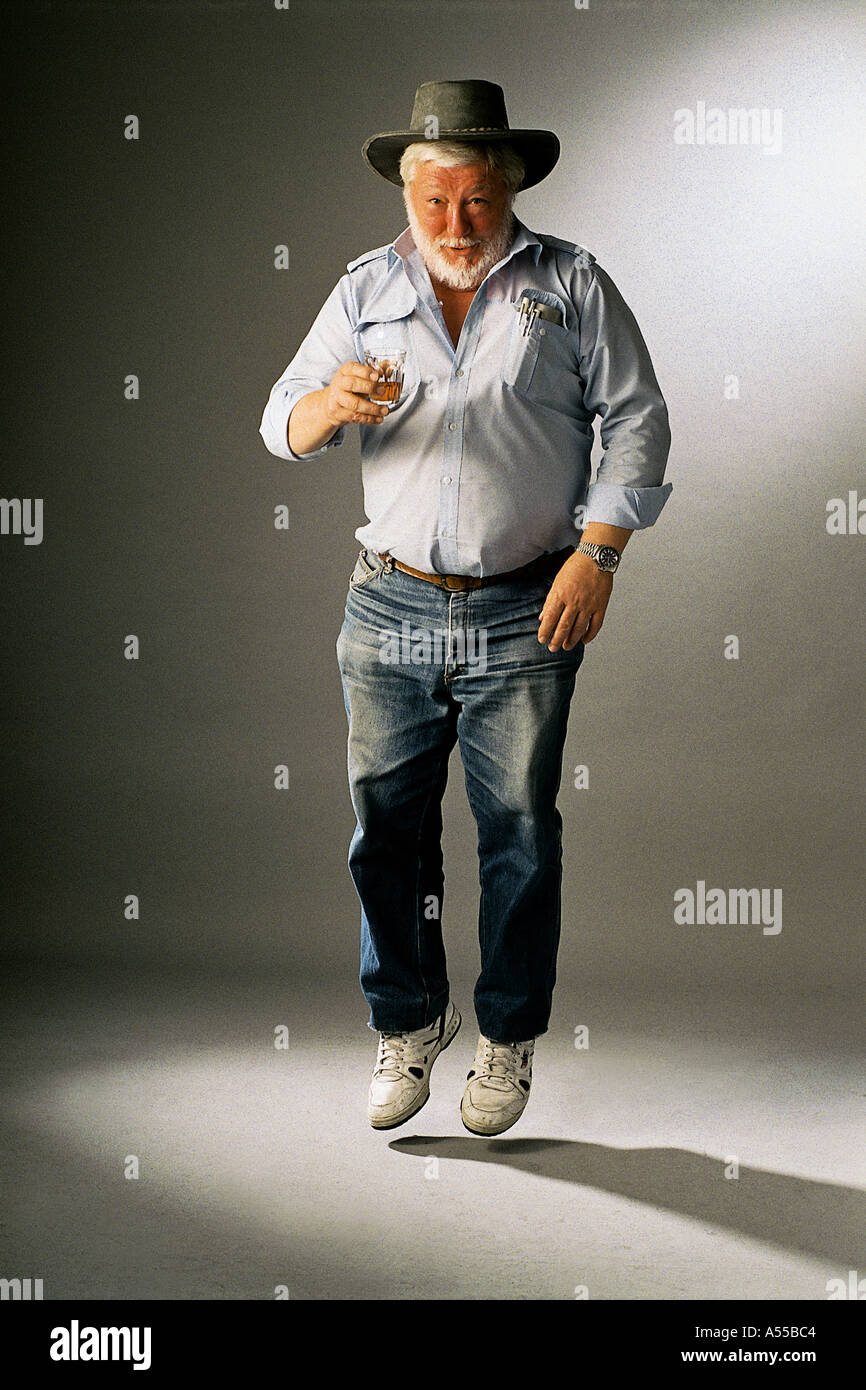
[(484, 463)]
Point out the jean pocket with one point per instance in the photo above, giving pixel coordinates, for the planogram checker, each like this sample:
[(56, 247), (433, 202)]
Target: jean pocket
[(367, 566)]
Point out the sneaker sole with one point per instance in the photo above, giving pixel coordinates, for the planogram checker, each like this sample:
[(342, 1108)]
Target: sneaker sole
[(425, 1094)]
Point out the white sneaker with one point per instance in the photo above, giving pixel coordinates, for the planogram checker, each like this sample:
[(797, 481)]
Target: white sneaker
[(497, 1086), (401, 1077)]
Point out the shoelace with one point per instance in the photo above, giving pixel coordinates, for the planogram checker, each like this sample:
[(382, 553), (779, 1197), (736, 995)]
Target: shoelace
[(508, 1050), (500, 1067), (398, 1050)]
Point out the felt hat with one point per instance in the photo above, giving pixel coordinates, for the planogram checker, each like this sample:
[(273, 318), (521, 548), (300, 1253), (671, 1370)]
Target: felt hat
[(469, 112)]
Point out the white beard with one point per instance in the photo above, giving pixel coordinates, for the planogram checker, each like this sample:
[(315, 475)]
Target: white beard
[(461, 276)]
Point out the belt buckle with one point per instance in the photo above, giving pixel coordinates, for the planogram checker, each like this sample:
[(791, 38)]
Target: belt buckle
[(446, 584)]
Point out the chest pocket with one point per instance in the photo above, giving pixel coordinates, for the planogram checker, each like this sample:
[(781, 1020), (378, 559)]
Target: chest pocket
[(538, 361), (385, 335)]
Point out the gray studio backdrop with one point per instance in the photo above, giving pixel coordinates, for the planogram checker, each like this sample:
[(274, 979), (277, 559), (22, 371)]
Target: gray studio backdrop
[(154, 258)]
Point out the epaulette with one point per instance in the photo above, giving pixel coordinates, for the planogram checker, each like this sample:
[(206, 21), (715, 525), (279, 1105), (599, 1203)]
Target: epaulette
[(368, 256), (580, 253)]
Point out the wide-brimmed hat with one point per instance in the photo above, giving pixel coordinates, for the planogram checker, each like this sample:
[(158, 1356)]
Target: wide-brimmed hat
[(469, 112)]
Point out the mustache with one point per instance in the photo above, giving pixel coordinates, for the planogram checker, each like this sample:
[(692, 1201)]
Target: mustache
[(460, 243)]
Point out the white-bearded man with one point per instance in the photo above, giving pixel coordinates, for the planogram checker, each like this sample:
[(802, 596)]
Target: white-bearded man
[(483, 524)]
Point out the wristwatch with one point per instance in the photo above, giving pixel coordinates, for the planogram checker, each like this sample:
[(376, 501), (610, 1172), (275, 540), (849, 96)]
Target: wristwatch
[(605, 556)]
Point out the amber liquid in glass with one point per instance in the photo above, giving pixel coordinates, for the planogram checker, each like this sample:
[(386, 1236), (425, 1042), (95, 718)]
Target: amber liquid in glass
[(386, 392)]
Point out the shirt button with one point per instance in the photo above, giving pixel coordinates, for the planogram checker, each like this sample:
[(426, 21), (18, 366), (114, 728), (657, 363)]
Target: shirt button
[(447, 482), (459, 371), (452, 426)]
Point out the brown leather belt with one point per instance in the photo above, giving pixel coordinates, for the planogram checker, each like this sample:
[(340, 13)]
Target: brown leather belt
[(550, 559)]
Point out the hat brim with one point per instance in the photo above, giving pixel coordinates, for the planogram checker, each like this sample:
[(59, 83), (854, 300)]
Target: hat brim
[(539, 149)]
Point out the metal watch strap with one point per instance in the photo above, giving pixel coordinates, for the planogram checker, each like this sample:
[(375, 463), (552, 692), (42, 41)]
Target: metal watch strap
[(594, 549)]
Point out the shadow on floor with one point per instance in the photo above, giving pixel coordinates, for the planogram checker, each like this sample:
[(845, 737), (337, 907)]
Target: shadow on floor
[(814, 1218)]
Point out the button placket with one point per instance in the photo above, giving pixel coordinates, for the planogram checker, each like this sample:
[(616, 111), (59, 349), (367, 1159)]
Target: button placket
[(453, 423)]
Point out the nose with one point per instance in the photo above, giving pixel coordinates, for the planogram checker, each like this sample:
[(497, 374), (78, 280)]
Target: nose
[(458, 223)]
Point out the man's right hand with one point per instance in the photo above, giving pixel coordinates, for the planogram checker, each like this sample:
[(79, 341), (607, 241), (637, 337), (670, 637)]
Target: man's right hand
[(346, 400), (317, 416)]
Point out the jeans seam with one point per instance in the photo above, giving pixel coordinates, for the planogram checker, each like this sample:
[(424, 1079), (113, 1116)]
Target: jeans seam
[(434, 783)]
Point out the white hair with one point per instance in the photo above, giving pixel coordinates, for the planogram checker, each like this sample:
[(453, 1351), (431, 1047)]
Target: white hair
[(498, 158)]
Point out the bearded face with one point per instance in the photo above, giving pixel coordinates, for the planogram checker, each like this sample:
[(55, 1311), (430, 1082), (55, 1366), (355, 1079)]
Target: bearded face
[(461, 221)]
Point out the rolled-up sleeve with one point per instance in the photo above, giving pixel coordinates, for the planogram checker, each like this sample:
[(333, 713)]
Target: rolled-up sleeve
[(621, 388), (326, 347)]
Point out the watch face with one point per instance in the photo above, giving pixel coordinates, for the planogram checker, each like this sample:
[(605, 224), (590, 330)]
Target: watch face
[(608, 558)]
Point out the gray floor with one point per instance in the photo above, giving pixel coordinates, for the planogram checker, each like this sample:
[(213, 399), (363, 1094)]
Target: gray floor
[(257, 1167)]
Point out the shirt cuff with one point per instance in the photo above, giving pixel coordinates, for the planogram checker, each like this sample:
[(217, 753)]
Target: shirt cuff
[(274, 429), (633, 508)]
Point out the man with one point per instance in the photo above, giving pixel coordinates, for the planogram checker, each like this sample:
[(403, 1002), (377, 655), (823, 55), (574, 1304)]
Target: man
[(471, 604)]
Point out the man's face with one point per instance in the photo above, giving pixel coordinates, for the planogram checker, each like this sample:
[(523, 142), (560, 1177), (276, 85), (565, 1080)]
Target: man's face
[(460, 218)]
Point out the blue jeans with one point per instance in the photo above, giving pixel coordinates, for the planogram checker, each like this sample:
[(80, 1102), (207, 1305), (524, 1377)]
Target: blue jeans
[(424, 668)]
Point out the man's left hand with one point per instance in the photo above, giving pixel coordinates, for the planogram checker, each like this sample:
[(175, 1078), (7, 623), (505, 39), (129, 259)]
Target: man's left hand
[(575, 605)]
